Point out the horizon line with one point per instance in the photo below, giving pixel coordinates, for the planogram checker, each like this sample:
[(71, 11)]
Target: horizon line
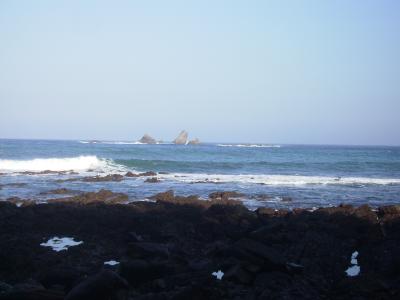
[(212, 142)]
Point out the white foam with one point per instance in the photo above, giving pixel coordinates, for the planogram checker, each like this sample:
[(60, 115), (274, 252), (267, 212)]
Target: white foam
[(219, 274), (123, 143), (111, 262), (60, 244), (79, 163), (249, 145), (283, 180), (354, 269)]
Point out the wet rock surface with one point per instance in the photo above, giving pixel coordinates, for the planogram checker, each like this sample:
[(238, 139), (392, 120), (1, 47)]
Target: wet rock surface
[(60, 191), (144, 174), (152, 180), (102, 196), (225, 195), (111, 177), (14, 184), (169, 250)]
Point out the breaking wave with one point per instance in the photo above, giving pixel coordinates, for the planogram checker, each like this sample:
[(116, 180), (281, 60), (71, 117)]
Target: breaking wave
[(79, 163)]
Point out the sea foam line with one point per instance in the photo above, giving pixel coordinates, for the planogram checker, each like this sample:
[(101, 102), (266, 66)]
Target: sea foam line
[(249, 145), (284, 180)]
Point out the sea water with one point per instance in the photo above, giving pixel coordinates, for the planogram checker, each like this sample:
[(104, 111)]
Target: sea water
[(267, 174)]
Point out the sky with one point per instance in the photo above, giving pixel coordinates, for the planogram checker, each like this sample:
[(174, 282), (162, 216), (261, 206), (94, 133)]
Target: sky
[(294, 72)]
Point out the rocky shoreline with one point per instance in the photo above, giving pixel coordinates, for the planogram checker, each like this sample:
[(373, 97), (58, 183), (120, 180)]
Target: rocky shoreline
[(185, 248)]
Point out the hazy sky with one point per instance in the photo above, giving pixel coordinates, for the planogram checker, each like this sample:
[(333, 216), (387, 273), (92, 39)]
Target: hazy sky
[(245, 71)]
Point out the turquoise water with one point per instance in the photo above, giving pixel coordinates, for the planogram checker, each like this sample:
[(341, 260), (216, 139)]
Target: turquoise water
[(310, 175)]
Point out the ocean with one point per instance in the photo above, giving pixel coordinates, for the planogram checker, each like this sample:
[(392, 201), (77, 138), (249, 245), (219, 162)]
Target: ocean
[(277, 176)]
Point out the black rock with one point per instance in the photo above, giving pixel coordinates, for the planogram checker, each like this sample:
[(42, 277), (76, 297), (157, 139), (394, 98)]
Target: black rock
[(101, 286)]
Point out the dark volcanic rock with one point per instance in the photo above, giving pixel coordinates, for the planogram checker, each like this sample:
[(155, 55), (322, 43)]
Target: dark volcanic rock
[(164, 196), (390, 212), (143, 249), (148, 173), (152, 180), (286, 199), (111, 177), (252, 250), (20, 202), (194, 200), (130, 174), (61, 191), (103, 285), (138, 271), (30, 290), (48, 172), (168, 250), (102, 196), (224, 195)]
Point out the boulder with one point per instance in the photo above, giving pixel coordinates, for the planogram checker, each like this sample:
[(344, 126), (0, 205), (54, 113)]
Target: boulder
[(152, 180), (251, 250), (148, 249), (181, 138), (103, 285), (110, 177), (137, 271), (102, 196), (224, 195), (30, 290), (196, 141), (60, 191), (147, 139), (164, 196), (148, 173)]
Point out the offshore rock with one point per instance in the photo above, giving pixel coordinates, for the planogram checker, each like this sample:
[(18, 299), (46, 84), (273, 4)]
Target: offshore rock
[(196, 141), (144, 174), (147, 139), (152, 180), (181, 138)]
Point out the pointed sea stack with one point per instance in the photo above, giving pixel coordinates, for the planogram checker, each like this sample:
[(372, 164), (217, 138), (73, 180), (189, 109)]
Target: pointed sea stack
[(182, 138), (147, 139)]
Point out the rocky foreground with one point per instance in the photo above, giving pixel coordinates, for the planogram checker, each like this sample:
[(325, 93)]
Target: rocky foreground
[(185, 248)]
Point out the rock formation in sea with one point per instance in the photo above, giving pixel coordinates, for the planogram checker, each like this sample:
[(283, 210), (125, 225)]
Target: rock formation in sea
[(182, 138), (147, 139), (196, 141)]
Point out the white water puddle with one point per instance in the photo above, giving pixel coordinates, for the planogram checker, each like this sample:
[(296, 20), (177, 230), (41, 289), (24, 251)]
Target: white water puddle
[(354, 269), (60, 244), (111, 262), (218, 274)]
